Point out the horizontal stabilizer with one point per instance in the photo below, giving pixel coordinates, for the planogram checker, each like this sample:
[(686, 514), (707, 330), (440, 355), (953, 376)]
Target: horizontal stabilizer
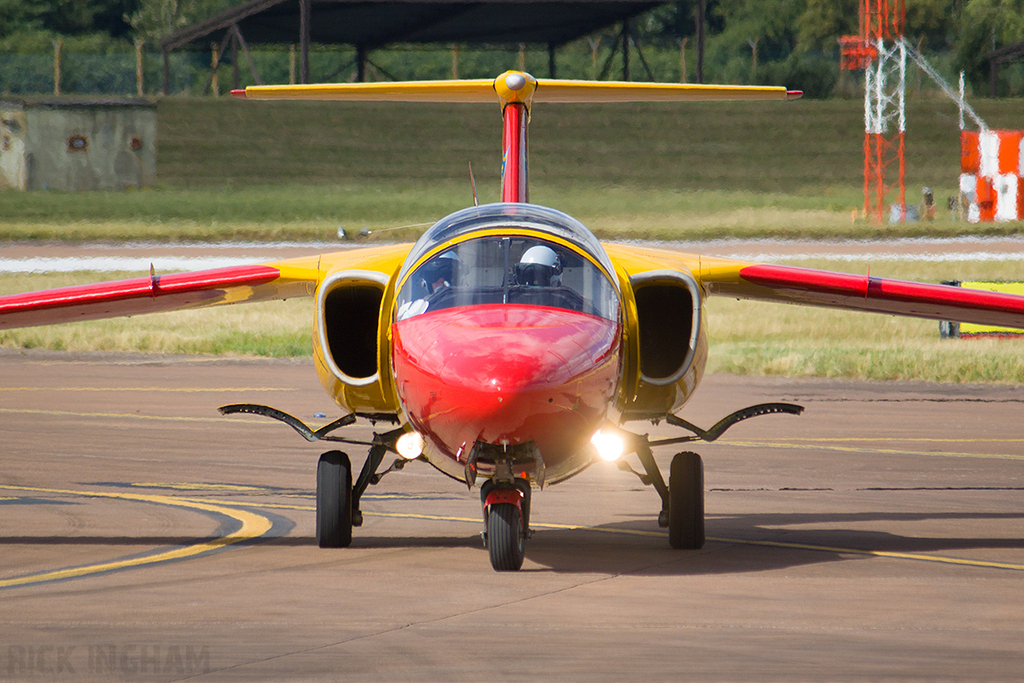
[(500, 89), (476, 90), (580, 92)]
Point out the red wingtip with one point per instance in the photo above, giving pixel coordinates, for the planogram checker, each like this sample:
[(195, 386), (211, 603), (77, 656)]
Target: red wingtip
[(240, 94), (794, 94)]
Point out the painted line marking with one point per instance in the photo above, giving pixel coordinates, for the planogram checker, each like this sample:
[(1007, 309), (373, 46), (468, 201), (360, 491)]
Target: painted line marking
[(121, 416), (913, 439), (875, 451), (938, 559), (190, 486), (876, 553), (187, 390), (117, 264), (941, 257), (252, 526)]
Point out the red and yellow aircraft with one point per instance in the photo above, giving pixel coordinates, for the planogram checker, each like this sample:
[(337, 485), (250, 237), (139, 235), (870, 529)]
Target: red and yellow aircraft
[(508, 346)]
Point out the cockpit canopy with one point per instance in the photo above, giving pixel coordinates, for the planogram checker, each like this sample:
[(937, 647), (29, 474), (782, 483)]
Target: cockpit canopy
[(520, 257)]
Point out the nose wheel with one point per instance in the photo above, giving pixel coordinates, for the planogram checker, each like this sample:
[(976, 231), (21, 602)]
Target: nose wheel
[(506, 538), (506, 523)]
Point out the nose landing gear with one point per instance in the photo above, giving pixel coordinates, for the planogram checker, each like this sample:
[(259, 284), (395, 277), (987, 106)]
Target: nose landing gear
[(506, 506)]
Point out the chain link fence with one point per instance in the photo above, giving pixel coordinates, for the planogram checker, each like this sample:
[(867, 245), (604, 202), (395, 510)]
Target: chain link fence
[(191, 72)]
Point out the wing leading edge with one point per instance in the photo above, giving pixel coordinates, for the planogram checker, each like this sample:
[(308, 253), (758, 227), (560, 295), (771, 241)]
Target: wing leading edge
[(810, 287), (874, 294), (160, 293), (153, 294)]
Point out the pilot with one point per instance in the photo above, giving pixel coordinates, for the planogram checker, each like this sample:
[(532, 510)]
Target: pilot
[(539, 267), (439, 273), (432, 278)]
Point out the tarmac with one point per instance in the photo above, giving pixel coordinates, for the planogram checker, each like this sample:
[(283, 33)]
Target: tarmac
[(145, 537)]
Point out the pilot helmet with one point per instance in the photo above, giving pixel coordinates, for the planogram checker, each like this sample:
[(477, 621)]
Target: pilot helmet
[(444, 267), (540, 267)]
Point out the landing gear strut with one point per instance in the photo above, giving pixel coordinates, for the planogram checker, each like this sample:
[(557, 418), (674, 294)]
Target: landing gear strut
[(682, 499), (337, 499)]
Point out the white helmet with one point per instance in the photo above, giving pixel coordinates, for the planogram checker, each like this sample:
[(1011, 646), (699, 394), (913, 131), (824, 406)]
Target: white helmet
[(540, 267)]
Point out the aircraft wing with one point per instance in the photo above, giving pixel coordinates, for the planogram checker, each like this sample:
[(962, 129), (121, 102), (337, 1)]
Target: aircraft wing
[(810, 287), (157, 293)]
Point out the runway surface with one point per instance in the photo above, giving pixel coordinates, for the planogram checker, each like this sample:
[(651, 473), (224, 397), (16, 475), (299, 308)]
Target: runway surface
[(145, 537)]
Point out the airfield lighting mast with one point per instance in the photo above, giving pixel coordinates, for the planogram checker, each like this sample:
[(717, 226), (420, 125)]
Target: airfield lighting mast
[(881, 52)]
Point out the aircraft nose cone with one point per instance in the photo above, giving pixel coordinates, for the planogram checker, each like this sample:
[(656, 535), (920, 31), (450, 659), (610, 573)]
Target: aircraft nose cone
[(505, 374)]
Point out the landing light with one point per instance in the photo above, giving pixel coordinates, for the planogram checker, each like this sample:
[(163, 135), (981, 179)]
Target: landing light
[(410, 445), (609, 446)]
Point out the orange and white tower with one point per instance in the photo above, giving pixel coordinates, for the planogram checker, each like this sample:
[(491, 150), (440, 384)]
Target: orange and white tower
[(882, 53)]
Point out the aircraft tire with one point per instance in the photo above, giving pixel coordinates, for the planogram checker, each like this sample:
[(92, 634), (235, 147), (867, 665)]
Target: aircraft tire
[(506, 541), (334, 500), (686, 502)]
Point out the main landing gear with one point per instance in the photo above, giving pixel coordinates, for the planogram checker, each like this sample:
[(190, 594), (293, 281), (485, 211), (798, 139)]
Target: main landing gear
[(337, 499), (682, 499), (505, 498)]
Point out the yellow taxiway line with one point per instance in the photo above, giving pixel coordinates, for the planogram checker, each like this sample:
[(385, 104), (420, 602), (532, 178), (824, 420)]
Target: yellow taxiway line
[(180, 390), (829, 445), (253, 526), (661, 534)]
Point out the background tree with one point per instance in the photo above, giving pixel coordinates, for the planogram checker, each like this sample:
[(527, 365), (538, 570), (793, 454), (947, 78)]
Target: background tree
[(823, 22), (985, 25), (21, 15), (154, 20)]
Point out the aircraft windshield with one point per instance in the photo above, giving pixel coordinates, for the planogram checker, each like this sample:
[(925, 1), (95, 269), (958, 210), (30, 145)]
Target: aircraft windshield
[(508, 270), (508, 215)]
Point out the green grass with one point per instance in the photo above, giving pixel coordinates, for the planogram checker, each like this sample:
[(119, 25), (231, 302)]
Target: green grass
[(267, 171)]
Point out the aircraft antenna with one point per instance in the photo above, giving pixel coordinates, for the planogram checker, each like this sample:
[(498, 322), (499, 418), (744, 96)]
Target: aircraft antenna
[(472, 182)]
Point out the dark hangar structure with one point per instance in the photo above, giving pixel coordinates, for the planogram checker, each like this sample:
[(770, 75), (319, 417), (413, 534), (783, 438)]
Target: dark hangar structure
[(373, 24)]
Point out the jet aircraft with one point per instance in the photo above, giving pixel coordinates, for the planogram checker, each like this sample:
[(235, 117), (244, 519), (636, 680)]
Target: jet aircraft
[(508, 347)]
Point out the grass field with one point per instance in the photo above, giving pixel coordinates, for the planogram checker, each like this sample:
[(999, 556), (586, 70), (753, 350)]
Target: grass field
[(271, 171), (267, 171)]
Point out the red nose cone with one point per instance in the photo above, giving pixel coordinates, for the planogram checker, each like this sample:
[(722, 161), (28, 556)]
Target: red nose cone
[(507, 374)]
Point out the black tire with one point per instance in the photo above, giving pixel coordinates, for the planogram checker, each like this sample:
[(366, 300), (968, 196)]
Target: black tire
[(334, 500), (686, 502), (506, 542)]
